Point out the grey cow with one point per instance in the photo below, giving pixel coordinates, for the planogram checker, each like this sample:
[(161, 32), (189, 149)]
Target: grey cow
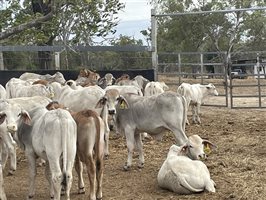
[(135, 114)]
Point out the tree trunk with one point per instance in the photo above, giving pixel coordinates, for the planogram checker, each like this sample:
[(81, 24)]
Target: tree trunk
[(2, 66)]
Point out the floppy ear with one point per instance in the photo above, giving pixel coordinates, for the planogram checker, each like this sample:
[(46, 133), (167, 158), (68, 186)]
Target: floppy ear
[(209, 86), (101, 102), (24, 115), (208, 146), (122, 102), (113, 80), (184, 149), (2, 117)]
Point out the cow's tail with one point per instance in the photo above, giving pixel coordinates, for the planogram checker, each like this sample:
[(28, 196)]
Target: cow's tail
[(98, 149), (184, 102), (64, 130)]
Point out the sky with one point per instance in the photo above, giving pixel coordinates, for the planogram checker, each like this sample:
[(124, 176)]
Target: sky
[(135, 17)]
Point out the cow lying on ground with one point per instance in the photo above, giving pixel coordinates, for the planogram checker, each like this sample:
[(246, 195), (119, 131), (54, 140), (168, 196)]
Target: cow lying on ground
[(195, 95), (50, 135), (90, 149), (182, 175)]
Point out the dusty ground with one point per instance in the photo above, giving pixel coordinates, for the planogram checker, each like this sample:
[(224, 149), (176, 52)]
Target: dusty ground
[(238, 165)]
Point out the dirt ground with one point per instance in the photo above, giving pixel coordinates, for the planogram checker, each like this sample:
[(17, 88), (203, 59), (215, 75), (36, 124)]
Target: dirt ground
[(237, 166)]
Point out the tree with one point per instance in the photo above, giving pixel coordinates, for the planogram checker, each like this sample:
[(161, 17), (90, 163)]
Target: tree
[(41, 22), (229, 32)]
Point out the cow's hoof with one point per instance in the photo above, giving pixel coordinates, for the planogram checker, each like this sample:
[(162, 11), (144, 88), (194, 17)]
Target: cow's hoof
[(81, 190), (11, 172), (126, 168), (140, 165), (106, 156)]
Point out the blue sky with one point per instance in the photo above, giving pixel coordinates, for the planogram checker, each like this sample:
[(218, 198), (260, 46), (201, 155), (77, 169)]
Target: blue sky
[(135, 17)]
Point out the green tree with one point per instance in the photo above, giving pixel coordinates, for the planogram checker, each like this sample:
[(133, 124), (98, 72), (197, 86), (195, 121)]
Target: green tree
[(222, 32), (69, 22)]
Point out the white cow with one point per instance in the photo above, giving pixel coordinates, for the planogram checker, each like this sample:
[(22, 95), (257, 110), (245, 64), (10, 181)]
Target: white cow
[(73, 84), (154, 115), (195, 95), (125, 89), (2, 191), (2, 92), (155, 88), (20, 88), (182, 175), (138, 81), (12, 85), (52, 136), (107, 80), (9, 111), (83, 99), (57, 77)]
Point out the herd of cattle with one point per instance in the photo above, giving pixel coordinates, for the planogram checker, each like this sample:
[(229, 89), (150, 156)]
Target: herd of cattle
[(67, 123)]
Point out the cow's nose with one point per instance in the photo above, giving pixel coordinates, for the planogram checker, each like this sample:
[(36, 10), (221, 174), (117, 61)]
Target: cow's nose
[(202, 156), (111, 112), (12, 127)]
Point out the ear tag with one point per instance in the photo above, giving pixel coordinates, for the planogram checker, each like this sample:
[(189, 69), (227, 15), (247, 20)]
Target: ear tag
[(122, 105), (207, 149)]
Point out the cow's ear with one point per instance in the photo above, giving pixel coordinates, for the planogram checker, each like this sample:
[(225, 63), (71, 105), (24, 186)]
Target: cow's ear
[(208, 146), (122, 102), (25, 117), (209, 86), (113, 80), (101, 102), (184, 149), (2, 117)]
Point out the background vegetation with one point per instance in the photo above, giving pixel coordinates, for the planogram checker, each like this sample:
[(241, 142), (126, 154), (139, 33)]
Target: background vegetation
[(72, 22)]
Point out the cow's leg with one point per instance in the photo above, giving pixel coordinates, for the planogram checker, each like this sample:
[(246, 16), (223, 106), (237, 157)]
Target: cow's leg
[(79, 170), (3, 153), (91, 169), (130, 147), (32, 173), (49, 179), (13, 160), (140, 149), (188, 104), (57, 177), (106, 139), (99, 177), (2, 191), (11, 149), (69, 179), (194, 113), (198, 113)]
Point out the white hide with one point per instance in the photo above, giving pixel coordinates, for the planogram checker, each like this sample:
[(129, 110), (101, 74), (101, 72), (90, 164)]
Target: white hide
[(195, 95), (182, 175), (155, 88)]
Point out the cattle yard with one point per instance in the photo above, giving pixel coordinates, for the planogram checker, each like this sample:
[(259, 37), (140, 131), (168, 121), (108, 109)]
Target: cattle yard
[(237, 166)]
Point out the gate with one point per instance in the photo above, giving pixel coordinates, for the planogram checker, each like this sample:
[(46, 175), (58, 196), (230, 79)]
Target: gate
[(248, 80), (244, 89)]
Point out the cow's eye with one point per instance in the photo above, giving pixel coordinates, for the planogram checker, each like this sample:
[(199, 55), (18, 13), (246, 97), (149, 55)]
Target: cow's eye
[(190, 146)]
